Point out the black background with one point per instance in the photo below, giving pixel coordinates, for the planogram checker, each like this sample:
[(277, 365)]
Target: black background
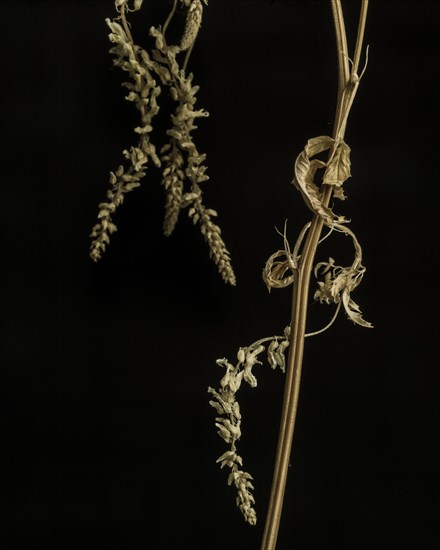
[(106, 430)]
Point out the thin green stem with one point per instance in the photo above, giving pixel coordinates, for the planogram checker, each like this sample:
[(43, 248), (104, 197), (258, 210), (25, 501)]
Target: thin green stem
[(346, 94)]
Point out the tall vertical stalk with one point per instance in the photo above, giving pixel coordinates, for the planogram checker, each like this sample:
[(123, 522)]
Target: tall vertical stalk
[(348, 82)]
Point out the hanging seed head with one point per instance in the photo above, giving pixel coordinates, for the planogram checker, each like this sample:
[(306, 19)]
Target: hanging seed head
[(193, 22)]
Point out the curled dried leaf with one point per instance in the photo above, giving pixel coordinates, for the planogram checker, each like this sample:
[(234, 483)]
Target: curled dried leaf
[(353, 311), (304, 180), (338, 167), (317, 145), (274, 272), (339, 282), (305, 171)]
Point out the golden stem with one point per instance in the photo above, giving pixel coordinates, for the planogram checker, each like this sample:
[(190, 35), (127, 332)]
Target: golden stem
[(346, 92), (187, 56), (167, 22)]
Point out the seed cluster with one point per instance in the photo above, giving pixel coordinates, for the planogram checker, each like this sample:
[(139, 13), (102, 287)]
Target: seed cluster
[(183, 166), (227, 407)]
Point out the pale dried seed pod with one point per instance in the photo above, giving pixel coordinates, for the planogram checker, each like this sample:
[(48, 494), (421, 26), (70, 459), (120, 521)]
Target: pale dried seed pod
[(192, 24)]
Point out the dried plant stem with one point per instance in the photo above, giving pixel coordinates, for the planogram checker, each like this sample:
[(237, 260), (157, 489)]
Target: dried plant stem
[(187, 56), (348, 84), (168, 21)]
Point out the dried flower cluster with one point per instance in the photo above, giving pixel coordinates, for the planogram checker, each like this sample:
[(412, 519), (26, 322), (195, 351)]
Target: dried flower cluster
[(179, 158), (193, 22), (227, 407), (143, 91), (183, 162)]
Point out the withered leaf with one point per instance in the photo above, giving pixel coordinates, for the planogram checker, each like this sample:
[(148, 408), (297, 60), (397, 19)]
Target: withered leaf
[(274, 272), (305, 170), (318, 145), (338, 169), (353, 311)]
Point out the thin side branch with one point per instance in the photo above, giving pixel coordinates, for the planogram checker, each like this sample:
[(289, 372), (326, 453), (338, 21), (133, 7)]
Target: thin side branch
[(360, 37)]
